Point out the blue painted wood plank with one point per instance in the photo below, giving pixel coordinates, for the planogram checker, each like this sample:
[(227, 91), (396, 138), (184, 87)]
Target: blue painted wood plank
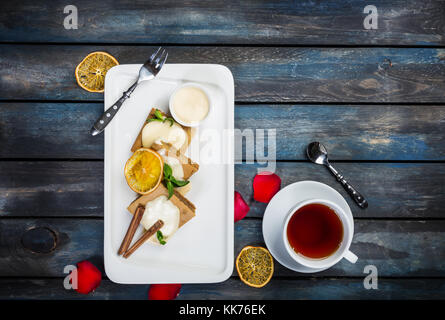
[(397, 248), (365, 132), (234, 289), (359, 132), (51, 189), (400, 22), (403, 190), (262, 74), (319, 289), (75, 189), (35, 130)]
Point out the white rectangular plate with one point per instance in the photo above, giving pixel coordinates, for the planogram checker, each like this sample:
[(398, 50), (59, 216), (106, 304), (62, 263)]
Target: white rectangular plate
[(202, 250)]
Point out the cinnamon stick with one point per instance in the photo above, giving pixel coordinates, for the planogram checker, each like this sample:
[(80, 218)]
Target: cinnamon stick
[(151, 231), (137, 217)]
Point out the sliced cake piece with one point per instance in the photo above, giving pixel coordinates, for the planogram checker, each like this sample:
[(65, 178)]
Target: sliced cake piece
[(159, 132)]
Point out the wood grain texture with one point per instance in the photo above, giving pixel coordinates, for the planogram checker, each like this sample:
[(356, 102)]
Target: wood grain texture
[(397, 248), (76, 240), (64, 189), (318, 289), (51, 211), (393, 190), (49, 130), (233, 22), (263, 74), (364, 132), (75, 189), (358, 132), (234, 289)]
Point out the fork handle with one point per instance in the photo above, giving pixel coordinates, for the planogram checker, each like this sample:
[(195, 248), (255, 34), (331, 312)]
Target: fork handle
[(109, 114)]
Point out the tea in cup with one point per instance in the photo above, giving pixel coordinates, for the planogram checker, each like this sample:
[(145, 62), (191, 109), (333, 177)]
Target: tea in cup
[(317, 234)]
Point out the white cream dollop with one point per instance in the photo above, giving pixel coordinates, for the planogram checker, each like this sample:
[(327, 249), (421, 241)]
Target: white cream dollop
[(161, 209), (174, 163), (177, 169), (157, 131)]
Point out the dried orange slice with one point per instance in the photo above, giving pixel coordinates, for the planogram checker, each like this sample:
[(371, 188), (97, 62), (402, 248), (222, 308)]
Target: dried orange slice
[(91, 71), (254, 266), (143, 171)]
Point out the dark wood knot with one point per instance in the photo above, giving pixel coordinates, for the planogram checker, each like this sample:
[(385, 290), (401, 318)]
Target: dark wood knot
[(39, 240), (386, 64)]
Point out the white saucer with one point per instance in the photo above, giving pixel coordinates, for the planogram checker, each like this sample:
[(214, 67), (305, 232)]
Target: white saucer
[(278, 208)]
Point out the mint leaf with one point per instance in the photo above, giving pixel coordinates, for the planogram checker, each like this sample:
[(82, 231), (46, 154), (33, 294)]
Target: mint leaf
[(154, 119), (170, 189), (159, 115), (160, 237), (179, 183), (167, 172), (170, 180), (169, 119)]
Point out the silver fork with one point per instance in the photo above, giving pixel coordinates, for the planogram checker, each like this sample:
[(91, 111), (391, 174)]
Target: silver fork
[(147, 72)]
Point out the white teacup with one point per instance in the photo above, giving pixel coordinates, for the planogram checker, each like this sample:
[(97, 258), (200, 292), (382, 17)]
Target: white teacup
[(341, 252)]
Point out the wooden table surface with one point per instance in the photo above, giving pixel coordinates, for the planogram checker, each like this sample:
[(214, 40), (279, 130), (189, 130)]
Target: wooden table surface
[(375, 98)]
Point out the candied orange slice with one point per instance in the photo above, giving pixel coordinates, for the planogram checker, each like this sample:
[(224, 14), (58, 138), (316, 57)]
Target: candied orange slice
[(143, 171), (255, 266), (91, 71)]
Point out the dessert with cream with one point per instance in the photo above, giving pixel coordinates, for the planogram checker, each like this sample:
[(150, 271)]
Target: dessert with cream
[(159, 171), (182, 167), (159, 132), (159, 129), (156, 212), (177, 172), (163, 209), (173, 162)]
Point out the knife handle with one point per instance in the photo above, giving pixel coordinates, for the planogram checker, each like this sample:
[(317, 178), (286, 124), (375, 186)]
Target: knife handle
[(109, 114)]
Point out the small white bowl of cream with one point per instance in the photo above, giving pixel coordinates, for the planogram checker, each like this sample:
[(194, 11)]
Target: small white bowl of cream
[(190, 104)]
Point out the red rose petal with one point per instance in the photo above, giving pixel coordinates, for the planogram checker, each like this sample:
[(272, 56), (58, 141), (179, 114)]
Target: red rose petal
[(163, 291), (88, 277), (241, 207), (265, 186)]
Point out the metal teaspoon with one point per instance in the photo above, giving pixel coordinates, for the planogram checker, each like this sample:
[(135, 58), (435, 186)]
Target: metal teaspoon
[(318, 154)]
